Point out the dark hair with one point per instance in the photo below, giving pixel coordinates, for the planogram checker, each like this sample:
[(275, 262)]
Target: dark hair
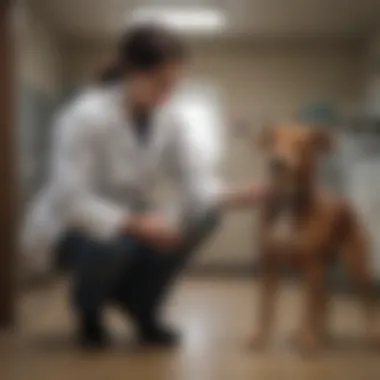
[(143, 48)]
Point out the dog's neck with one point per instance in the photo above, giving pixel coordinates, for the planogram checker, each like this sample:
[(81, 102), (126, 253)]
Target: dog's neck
[(296, 202)]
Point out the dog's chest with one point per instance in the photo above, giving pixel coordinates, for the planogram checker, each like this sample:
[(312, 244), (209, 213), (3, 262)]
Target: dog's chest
[(283, 226)]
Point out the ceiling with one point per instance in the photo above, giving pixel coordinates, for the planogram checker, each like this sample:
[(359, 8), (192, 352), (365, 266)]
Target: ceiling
[(247, 18)]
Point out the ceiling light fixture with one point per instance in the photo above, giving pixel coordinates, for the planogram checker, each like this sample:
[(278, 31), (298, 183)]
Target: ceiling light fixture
[(183, 19)]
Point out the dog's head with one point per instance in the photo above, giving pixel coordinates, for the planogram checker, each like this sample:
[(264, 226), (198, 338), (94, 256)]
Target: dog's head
[(292, 151)]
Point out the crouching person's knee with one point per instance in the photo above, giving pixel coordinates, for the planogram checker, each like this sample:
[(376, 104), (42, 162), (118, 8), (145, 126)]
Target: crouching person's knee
[(202, 226)]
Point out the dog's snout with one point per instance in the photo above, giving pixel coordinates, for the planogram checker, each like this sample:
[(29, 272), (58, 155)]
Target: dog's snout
[(277, 165)]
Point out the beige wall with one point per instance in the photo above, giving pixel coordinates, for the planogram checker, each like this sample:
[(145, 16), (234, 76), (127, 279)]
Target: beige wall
[(373, 79), (38, 54), (273, 78), (38, 89), (263, 82)]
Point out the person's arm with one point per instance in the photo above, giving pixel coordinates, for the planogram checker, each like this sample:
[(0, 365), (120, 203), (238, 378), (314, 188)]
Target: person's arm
[(242, 196), (201, 182)]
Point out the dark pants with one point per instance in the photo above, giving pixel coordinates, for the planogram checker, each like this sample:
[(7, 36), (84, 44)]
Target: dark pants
[(126, 271)]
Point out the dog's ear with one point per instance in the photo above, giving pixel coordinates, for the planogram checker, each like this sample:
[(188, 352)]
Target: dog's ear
[(265, 137), (323, 140)]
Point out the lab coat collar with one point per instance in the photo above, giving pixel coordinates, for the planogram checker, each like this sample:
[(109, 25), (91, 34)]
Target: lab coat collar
[(148, 151)]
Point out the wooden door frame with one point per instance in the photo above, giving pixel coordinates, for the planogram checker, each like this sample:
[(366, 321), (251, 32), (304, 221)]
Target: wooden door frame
[(8, 187)]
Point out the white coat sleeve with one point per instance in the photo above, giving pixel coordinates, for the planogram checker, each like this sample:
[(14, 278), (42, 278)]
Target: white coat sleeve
[(197, 159), (75, 144)]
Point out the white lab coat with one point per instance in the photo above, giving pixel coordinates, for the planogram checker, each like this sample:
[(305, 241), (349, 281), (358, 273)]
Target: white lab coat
[(99, 170)]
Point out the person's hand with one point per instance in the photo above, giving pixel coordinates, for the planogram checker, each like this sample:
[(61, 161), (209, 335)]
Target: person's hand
[(156, 230), (246, 196), (256, 193)]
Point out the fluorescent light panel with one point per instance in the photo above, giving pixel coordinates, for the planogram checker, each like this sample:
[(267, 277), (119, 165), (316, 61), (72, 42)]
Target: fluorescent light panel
[(181, 18)]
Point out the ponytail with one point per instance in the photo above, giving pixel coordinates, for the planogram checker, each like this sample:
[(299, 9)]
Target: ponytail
[(110, 74)]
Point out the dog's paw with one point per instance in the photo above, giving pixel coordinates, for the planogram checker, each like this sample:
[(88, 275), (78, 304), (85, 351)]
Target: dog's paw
[(258, 341), (373, 339), (308, 343)]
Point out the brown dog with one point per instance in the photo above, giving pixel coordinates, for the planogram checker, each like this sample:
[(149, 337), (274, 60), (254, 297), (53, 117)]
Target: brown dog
[(302, 227)]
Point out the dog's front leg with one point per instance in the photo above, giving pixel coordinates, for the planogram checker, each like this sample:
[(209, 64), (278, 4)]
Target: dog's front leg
[(313, 319), (267, 296)]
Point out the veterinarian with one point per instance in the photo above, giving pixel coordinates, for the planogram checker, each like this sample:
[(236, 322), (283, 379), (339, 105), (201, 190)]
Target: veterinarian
[(95, 215)]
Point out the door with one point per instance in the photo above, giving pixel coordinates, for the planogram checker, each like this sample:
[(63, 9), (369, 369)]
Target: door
[(7, 171)]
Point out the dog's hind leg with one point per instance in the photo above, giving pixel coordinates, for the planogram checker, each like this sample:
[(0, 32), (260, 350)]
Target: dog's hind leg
[(355, 258)]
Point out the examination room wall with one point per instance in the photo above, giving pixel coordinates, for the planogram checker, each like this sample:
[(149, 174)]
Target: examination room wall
[(258, 82)]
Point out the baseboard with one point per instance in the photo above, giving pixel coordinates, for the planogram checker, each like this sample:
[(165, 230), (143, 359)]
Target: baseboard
[(35, 282), (222, 270), (336, 283)]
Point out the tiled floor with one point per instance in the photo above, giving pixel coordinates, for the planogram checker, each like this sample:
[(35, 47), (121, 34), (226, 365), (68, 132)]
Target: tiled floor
[(216, 317)]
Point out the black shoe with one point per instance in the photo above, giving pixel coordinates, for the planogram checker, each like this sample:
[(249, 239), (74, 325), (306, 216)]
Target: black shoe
[(156, 334), (91, 334)]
